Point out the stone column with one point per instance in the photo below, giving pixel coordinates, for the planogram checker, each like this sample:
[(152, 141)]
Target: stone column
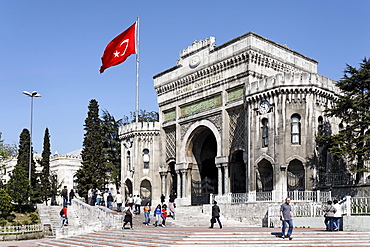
[(183, 189), (163, 182), (226, 177), (219, 178), (178, 184)]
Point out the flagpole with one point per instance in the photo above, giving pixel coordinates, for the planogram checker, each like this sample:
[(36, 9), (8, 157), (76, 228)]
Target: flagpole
[(137, 69)]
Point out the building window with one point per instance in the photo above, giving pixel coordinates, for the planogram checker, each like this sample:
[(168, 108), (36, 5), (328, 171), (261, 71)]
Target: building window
[(146, 158), (265, 133), (296, 129), (128, 157)]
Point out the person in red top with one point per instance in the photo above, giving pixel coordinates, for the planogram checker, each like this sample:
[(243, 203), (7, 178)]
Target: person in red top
[(63, 216), (164, 215)]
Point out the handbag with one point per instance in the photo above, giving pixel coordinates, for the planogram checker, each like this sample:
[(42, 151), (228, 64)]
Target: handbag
[(213, 220)]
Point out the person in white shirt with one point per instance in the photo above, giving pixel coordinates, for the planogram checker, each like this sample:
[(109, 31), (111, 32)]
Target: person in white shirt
[(130, 200), (118, 199), (337, 215), (105, 196), (137, 204)]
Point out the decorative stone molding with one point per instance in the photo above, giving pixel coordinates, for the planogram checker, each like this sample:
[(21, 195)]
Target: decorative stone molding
[(297, 84)]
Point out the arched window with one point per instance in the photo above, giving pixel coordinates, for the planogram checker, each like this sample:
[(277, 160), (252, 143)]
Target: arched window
[(146, 158), (128, 158), (296, 129), (265, 133)]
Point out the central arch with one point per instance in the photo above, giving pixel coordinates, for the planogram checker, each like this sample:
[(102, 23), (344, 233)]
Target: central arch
[(201, 149)]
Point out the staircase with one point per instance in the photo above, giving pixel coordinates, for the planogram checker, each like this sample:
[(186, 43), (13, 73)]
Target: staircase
[(204, 237)]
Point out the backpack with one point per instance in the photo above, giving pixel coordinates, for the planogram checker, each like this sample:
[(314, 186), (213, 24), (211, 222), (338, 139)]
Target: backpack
[(61, 212)]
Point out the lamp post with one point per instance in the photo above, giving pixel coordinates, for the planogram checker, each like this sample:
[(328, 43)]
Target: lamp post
[(31, 95)]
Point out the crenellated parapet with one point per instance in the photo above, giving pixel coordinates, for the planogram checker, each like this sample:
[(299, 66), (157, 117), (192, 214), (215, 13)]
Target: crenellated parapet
[(139, 129), (291, 84)]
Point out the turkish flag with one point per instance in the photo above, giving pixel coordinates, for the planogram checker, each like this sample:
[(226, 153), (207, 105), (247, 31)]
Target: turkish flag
[(119, 48)]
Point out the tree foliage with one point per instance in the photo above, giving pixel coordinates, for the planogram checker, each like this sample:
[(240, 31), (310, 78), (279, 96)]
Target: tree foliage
[(352, 143), (18, 186), (112, 148), (91, 172), (45, 182), (143, 116), (5, 202)]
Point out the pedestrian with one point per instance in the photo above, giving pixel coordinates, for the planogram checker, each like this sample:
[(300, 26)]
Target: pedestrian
[(128, 216), (163, 199), (215, 215), (89, 195), (157, 214), (71, 196), (93, 197), (105, 196), (138, 204), (164, 215), (63, 216), (64, 195), (329, 216), (99, 199), (110, 201), (337, 215), (130, 200), (147, 214), (286, 216), (171, 207), (119, 200)]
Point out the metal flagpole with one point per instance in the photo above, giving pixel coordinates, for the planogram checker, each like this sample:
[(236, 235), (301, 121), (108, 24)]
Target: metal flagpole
[(137, 69)]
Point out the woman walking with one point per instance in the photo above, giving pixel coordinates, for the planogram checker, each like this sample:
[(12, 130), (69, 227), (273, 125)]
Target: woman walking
[(128, 216), (164, 215)]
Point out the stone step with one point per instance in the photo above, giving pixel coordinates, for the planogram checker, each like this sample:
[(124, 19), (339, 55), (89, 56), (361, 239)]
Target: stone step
[(211, 237)]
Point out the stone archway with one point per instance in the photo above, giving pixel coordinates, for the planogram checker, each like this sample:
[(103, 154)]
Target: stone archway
[(204, 173), (237, 173), (128, 187), (296, 175), (264, 176), (173, 178), (146, 192)]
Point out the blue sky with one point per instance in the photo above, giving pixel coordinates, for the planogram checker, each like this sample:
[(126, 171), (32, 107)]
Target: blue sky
[(54, 48)]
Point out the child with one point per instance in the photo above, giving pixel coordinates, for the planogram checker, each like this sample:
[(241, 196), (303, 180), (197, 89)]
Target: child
[(164, 215), (147, 213), (157, 215)]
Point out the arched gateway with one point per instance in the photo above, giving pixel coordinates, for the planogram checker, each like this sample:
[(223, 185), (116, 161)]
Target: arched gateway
[(230, 116)]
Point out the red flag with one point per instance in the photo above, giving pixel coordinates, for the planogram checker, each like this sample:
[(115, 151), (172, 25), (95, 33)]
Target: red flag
[(119, 48)]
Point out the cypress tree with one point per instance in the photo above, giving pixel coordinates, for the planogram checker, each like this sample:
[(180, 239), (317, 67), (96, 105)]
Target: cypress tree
[(18, 186), (91, 173), (45, 176), (112, 148), (352, 107)]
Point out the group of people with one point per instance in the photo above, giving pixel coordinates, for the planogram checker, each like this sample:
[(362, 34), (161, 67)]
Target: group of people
[(333, 214), (160, 213), (66, 199)]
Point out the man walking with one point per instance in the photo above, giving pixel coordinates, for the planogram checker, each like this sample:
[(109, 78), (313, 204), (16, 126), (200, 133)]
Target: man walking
[(286, 217), (64, 194), (119, 201), (215, 215)]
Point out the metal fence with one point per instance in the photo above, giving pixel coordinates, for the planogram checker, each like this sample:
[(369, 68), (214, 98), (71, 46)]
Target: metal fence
[(7, 230), (272, 196)]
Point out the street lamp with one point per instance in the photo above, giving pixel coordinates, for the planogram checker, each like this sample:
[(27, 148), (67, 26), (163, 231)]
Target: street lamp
[(31, 95)]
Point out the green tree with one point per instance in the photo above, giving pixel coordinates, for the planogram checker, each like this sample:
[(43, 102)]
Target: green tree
[(6, 150), (5, 202), (54, 187), (112, 148), (143, 116), (352, 143), (92, 171), (45, 182), (18, 186)]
